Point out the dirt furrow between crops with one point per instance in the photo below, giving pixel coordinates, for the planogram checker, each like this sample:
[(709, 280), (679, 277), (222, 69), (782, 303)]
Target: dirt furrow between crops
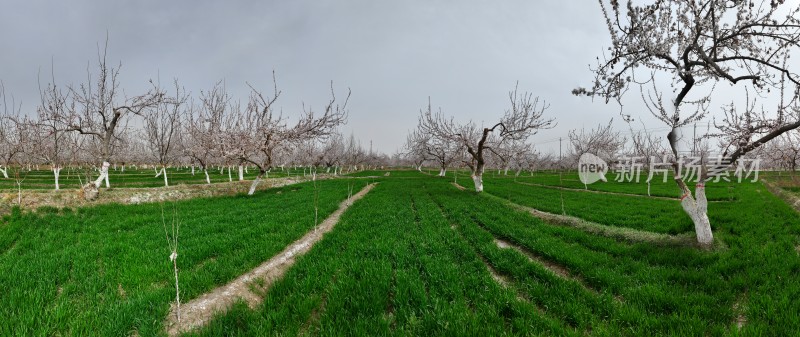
[(197, 312), (606, 192), (623, 233), (739, 309), (555, 268)]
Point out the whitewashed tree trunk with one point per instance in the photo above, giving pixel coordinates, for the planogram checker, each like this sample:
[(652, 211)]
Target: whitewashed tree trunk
[(5, 172), (697, 209), (241, 173), (158, 173), (230, 177), (56, 173), (115, 166), (478, 180), (103, 175), (208, 180), (254, 184), (245, 170), (222, 170), (192, 169), (442, 172), (123, 168), (164, 170)]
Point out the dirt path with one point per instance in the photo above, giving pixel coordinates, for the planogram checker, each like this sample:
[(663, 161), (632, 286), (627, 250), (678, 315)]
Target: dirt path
[(32, 199), (624, 233), (200, 310), (790, 199), (611, 193)]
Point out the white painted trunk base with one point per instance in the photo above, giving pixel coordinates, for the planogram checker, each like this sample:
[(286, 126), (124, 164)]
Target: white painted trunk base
[(478, 180), (208, 180), (254, 185), (164, 172), (103, 175), (56, 173), (241, 173), (697, 209)]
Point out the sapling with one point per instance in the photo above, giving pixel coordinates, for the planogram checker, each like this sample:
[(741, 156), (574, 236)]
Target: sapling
[(349, 193), (316, 206), (172, 243), (19, 178)]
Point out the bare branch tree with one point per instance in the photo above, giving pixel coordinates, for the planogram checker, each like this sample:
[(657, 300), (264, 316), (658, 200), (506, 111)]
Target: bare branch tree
[(100, 111), (602, 141), (162, 128), (747, 43), (263, 132), (522, 120), (204, 125), (12, 143)]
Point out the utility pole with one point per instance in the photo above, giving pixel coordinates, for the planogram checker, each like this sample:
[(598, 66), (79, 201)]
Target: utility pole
[(694, 141)]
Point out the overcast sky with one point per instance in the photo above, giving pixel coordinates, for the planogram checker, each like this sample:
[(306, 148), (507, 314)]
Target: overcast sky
[(465, 55)]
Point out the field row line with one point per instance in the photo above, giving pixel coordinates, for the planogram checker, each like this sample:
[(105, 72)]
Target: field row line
[(199, 311)]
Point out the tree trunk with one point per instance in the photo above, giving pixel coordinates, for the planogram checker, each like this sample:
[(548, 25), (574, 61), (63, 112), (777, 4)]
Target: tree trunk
[(164, 170), (192, 170), (230, 177), (103, 175), (123, 168), (478, 180), (241, 173), (5, 172), (442, 172), (56, 173), (208, 180), (255, 183), (697, 209)]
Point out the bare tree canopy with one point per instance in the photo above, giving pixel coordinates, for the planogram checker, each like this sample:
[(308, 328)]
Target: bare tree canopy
[(522, 120), (263, 132), (602, 141)]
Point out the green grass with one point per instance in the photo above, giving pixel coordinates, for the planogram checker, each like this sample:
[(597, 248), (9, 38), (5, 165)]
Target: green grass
[(62, 269), (720, 191), (411, 258), (394, 266)]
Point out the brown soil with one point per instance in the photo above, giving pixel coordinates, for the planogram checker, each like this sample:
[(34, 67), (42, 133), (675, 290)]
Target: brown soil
[(620, 233), (32, 199), (200, 310), (738, 308), (779, 192), (605, 192), (557, 269)]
